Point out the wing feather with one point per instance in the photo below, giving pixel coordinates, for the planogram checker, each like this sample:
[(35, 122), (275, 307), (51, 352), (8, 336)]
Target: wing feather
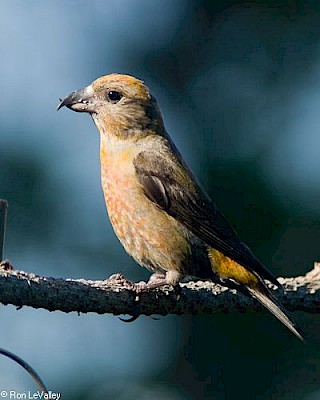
[(171, 186)]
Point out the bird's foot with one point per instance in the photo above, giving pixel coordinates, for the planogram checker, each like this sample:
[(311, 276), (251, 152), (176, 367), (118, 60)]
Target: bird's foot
[(158, 280), (123, 281), (155, 281), (129, 285)]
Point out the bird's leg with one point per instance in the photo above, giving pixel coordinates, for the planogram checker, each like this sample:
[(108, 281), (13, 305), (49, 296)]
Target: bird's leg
[(156, 280), (170, 278), (159, 279)]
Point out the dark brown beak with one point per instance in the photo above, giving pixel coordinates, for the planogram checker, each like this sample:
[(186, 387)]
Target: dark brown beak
[(80, 100)]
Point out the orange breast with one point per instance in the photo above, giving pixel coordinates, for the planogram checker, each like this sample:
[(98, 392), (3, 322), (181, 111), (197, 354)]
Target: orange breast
[(148, 234)]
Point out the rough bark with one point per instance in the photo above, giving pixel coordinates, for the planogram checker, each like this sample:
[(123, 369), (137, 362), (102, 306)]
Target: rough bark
[(112, 296)]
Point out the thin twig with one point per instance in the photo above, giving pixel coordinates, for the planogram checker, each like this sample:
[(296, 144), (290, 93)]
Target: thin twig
[(3, 220), (6, 265), (27, 367)]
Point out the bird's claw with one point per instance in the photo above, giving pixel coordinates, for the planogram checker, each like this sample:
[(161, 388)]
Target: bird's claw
[(155, 281), (131, 319), (120, 279)]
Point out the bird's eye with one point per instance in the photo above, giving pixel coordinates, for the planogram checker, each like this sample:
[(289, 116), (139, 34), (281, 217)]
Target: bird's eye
[(114, 96)]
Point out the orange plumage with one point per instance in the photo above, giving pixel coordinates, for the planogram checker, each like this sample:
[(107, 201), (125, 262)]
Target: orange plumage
[(160, 213)]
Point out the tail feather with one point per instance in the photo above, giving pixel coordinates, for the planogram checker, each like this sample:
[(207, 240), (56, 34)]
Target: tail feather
[(271, 304)]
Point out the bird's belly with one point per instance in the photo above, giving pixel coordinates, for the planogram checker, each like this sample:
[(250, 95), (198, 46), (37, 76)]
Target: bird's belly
[(153, 238)]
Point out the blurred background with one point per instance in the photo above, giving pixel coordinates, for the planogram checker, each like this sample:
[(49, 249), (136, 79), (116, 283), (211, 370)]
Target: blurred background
[(239, 87)]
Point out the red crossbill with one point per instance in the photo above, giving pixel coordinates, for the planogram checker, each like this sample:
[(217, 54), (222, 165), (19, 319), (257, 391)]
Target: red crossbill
[(160, 213)]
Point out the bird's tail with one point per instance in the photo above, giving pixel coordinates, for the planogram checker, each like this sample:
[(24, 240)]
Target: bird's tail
[(270, 303), (251, 284)]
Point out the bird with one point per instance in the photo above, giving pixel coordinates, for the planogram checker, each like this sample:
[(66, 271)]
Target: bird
[(159, 211)]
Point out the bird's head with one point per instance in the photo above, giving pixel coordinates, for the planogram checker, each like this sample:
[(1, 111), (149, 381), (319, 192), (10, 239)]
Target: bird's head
[(119, 104)]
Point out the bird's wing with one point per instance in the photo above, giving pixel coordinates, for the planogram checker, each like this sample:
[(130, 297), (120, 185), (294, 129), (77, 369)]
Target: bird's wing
[(172, 188)]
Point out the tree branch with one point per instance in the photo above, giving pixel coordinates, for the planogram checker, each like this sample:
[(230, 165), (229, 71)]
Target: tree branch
[(109, 296)]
